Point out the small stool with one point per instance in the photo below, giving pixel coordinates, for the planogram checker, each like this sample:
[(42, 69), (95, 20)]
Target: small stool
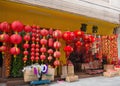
[(39, 82)]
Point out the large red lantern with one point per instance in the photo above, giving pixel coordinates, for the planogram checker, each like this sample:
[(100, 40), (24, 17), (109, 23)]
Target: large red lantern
[(44, 32), (57, 34), (66, 35), (17, 26), (57, 45), (42, 57), (3, 49), (15, 51), (68, 49), (15, 39), (50, 51), (27, 28), (5, 27), (43, 49)]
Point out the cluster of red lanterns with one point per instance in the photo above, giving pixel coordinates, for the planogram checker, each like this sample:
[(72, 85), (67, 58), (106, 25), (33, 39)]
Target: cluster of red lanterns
[(5, 28), (57, 34), (27, 29)]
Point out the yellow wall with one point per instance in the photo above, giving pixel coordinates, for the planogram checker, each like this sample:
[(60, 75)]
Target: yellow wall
[(46, 17)]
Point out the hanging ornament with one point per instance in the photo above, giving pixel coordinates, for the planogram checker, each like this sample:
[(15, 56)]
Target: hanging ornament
[(15, 51), (57, 34), (57, 45), (68, 49), (56, 63), (57, 54), (5, 27)]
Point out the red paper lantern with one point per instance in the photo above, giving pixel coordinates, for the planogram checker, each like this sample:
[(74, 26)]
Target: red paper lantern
[(15, 39), (27, 37), (37, 49), (78, 33), (32, 54), (24, 59), (37, 39), (27, 28), (50, 42), (33, 49), (33, 45), (4, 37), (50, 51), (44, 32), (37, 54), (43, 49), (42, 57), (43, 41), (3, 49), (78, 44), (5, 27), (17, 26), (57, 54), (15, 51), (33, 35), (37, 31), (25, 52), (50, 31), (33, 38), (49, 58), (57, 45), (32, 58), (37, 35), (66, 35), (57, 34), (26, 46), (56, 62), (37, 45), (68, 49), (37, 58)]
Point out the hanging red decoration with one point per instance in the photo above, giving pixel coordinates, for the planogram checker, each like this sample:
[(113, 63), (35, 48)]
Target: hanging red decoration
[(25, 52), (57, 34), (68, 49), (43, 49), (57, 45), (78, 44), (4, 37), (56, 63), (3, 48), (42, 57), (50, 42), (33, 38), (5, 27), (43, 41), (37, 39), (57, 54), (24, 59), (33, 35), (15, 51), (44, 32), (32, 58), (37, 49), (50, 31), (49, 58), (37, 54), (50, 51), (27, 37), (17, 26), (33, 49), (26, 46), (15, 38), (78, 33), (33, 45), (27, 28), (32, 54), (37, 45)]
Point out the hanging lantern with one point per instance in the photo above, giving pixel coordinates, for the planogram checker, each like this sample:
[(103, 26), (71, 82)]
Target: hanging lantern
[(15, 39), (27, 28), (33, 35), (57, 45), (32, 49), (68, 49), (50, 51), (57, 34), (37, 45), (32, 54), (57, 54), (4, 37), (78, 44), (33, 45), (32, 58), (42, 57), (37, 49), (49, 58), (43, 49), (5, 27), (44, 32), (25, 52), (27, 37), (3, 49), (78, 33), (17, 26), (43, 41), (37, 54), (66, 35), (50, 31), (56, 63), (37, 39), (50, 42), (26, 46), (15, 51)]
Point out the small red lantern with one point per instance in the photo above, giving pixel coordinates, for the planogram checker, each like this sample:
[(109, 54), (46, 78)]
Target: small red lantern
[(27, 28), (49, 58), (57, 34), (37, 54), (78, 44), (33, 38), (50, 31), (32, 58), (3, 49), (37, 58), (25, 52), (43, 41), (56, 63), (57, 54), (78, 33), (15, 51), (37, 49), (4, 37), (33, 45), (15, 39), (68, 49), (33, 35), (50, 51), (26, 46), (33, 49), (66, 35), (43, 49), (57, 45), (42, 57), (17, 26), (5, 27), (32, 54), (50, 42), (44, 32), (27, 37), (37, 39), (37, 45), (24, 59)]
